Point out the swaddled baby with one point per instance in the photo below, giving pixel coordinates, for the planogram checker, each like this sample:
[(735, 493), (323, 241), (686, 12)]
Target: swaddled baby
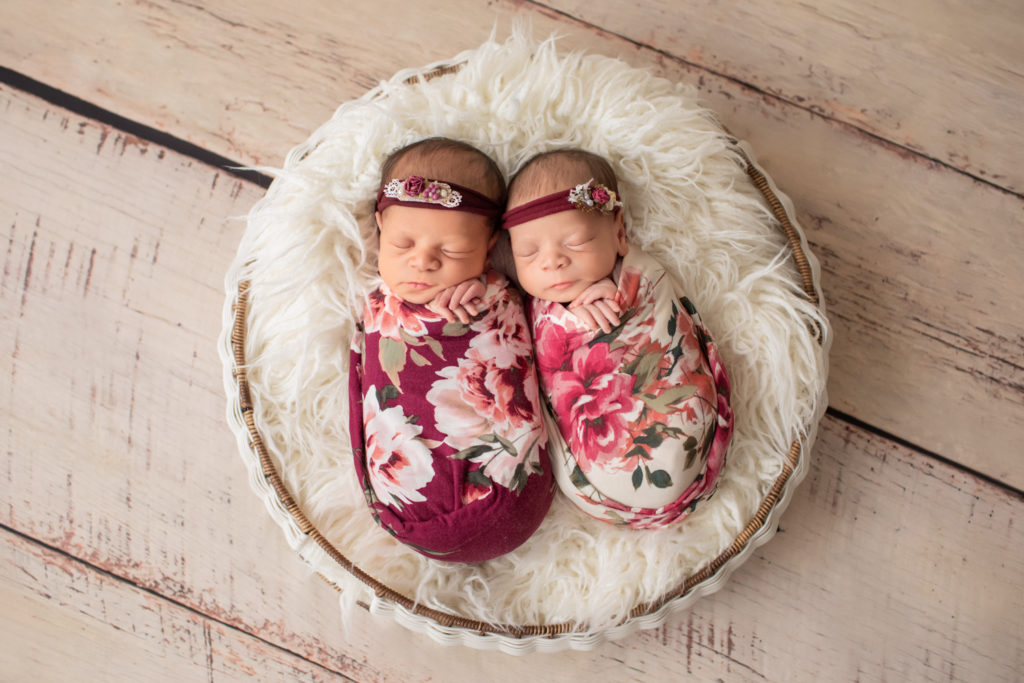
[(445, 417), (637, 390)]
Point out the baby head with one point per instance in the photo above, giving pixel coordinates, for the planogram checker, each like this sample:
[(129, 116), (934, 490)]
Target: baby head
[(437, 212), (565, 223)]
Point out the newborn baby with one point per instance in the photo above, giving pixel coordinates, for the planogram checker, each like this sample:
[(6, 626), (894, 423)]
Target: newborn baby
[(445, 420), (638, 392)]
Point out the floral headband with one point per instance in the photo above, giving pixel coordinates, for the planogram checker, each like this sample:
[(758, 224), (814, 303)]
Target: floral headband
[(588, 196), (424, 193)]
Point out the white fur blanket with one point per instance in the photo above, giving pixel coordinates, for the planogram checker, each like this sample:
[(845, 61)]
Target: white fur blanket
[(309, 255)]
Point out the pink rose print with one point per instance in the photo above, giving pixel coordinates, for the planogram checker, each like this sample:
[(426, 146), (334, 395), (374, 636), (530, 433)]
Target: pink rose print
[(488, 400), (473, 492), (398, 462), (595, 405), (505, 336), (723, 435), (388, 314), (718, 369), (458, 419), (414, 185), (555, 345), (692, 359), (629, 287), (496, 392), (478, 398)]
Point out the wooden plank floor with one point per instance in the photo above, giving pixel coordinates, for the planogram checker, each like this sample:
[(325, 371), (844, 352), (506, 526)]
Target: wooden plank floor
[(133, 548)]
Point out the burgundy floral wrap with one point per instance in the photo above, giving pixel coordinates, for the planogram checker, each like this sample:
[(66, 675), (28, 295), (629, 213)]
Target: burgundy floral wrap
[(642, 419), (446, 425)]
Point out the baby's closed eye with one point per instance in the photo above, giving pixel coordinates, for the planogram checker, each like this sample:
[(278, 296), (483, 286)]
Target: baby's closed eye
[(579, 243), (525, 252)]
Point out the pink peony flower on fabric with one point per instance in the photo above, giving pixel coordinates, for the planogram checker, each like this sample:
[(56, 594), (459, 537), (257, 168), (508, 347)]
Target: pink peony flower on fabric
[(501, 392), (478, 399), (723, 435), (600, 196), (503, 317), (398, 462), (387, 314), (458, 419), (504, 338), (473, 492), (636, 294), (497, 373), (555, 346), (629, 287), (718, 370), (692, 359), (594, 405), (492, 390)]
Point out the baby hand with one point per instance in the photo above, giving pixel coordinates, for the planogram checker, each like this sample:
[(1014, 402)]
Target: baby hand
[(596, 306), (459, 301)]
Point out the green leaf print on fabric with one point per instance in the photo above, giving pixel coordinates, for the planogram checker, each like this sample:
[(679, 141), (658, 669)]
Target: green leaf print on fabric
[(392, 359)]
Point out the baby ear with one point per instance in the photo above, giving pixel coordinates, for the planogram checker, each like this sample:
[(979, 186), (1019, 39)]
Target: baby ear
[(376, 216), (622, 246)]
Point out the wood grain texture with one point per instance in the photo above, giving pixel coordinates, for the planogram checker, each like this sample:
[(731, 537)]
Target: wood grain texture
[(919, 259), (942, 79), (889, 565), (65, 620)]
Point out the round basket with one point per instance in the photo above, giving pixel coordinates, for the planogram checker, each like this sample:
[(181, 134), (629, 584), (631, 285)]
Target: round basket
[(695, 199)]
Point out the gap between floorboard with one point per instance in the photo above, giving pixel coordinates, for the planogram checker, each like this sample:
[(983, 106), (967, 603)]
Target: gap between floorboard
[(188, 149), (765, 93), (149, 591), (877, 431), (89, 110)]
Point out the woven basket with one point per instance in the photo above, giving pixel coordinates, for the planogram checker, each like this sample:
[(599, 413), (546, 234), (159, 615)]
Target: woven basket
[(289, 500)]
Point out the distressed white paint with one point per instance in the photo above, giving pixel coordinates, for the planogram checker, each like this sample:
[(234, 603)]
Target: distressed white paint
[(919, 259), (888, 565)]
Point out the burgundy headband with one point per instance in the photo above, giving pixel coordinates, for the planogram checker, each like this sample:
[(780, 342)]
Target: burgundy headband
[(588, 196), (423, 193)]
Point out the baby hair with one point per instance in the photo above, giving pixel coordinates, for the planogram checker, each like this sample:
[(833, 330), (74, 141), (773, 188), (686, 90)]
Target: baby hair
[(556, 170), (449, 160)]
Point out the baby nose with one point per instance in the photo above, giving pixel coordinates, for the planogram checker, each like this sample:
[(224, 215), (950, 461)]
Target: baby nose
[(554, 259), (424, 260)]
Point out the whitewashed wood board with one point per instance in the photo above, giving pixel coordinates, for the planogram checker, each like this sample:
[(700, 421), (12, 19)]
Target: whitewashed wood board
[(919, 259), (64, 620), (116, 453), (942, 80)]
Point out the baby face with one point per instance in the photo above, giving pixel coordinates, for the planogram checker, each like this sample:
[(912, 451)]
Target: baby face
[(424, 251), (559, 255)]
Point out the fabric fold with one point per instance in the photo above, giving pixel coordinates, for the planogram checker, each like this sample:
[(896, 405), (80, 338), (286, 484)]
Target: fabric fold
[(446, 425), (640, 416)]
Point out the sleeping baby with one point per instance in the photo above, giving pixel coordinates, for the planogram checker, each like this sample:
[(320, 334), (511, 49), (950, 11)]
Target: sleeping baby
[(445, 418), (638, 392)]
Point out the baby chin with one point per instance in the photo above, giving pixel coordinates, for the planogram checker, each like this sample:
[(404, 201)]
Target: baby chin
[(417, 292), (562, 292)]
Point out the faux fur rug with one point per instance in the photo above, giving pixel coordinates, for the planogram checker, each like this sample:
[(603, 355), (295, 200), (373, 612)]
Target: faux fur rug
[(310, 252)]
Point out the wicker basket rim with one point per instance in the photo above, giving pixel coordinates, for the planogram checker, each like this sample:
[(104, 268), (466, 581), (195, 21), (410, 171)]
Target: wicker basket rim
[(385, 592)]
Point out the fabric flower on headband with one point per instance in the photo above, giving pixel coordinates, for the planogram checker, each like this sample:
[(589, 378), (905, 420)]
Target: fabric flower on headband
[(424, 193), (419, 189), (591, 196), (588, 196)]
